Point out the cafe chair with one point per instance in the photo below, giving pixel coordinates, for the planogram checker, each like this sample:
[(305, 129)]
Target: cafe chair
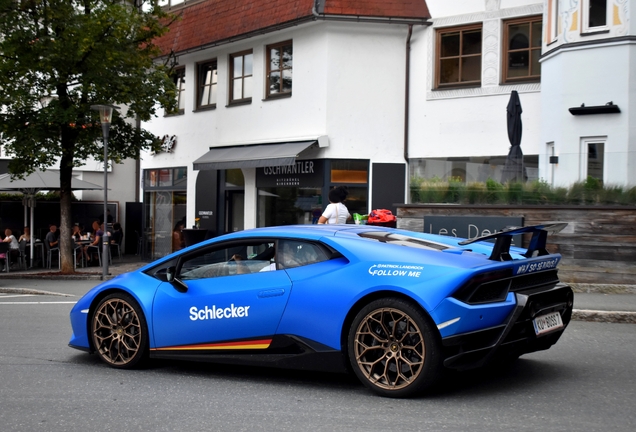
[(95, 250), (77, 249), (4, 249), (116, 246), (22, 256), (140, 243), (49, 255), (92, 250)]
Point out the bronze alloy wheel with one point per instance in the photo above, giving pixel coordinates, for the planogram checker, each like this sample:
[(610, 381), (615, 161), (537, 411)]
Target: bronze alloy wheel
[(389, 348), (392, 349), (118, 331)]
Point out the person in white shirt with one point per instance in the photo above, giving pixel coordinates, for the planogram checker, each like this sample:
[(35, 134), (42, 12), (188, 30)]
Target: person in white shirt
[(10, 238), (336, 212), (14, 246)]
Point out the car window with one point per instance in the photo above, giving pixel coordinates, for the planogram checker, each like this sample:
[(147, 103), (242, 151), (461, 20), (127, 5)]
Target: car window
[(227, 260), (294, 253)]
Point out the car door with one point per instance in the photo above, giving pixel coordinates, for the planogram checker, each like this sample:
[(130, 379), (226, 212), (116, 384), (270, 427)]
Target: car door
[(233, 298)]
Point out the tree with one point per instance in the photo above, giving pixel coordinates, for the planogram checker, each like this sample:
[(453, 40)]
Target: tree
[(59, 57)]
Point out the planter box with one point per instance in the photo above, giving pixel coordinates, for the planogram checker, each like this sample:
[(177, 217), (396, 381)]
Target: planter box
[(598, 245)]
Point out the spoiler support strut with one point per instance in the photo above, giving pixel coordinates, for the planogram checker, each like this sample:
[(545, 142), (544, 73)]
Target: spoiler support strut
[(503, 240)]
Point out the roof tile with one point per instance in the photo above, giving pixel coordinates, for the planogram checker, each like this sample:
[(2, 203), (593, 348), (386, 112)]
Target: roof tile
[(213, 21)]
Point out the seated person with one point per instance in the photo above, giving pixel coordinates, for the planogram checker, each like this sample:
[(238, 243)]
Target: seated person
[(117, 235), (96, 243), (26, 236), (14, 246), (95, 227), (53, 237), (76, 233), (178, 239)]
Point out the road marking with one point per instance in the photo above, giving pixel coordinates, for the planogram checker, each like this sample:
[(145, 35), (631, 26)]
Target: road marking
[(13, 290), (19, 295), (32, 303)]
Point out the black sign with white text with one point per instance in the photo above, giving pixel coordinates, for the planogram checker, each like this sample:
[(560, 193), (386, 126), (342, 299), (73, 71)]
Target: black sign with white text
[(303, 173), (471, 226)]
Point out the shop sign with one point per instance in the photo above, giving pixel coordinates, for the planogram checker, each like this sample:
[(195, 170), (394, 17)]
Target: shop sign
[(303, 173), (471, 226)]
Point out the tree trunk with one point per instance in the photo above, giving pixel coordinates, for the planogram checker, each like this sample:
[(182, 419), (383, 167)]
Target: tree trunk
[(67, 140), (66, 242)]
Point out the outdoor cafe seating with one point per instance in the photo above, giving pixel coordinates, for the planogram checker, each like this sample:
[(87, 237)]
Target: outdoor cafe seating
[(9, 257)]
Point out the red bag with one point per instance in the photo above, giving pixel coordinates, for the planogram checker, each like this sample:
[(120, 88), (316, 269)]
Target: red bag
[(382, 217)]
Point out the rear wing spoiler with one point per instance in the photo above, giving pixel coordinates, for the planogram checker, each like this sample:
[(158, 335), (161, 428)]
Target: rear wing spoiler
[(503, 240)]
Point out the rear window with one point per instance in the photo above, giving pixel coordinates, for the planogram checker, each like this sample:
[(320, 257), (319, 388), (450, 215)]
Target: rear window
[(403, 240)]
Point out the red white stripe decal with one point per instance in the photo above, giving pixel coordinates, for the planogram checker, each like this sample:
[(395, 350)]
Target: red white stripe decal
[(251, 344)]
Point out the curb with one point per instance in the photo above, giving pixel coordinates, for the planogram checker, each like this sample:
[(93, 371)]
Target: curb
[(33, 292), (620, 317), (592, 288), (58, 277)]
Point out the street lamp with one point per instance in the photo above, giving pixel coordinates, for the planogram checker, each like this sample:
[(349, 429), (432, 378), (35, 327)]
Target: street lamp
[(105, 117)]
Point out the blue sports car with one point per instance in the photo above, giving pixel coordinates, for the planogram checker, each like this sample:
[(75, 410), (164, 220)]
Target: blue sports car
[(393, 306)]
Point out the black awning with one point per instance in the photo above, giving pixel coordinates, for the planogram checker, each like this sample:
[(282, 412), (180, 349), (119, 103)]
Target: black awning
[(252, 156)]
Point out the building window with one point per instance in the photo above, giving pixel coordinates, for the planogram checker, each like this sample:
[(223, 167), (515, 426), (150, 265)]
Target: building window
[(458, 57), (554, 21), (592, 159), (522, 49), (594, 15), (167, 4), (178, 77), (241, 77), (279, 69), (207, 84), (472, 169)]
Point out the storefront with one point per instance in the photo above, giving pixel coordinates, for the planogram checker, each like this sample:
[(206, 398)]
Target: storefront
[(297, 194), (165, 198), (286, 194)]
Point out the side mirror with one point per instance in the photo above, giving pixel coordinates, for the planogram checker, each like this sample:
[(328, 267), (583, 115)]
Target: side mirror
[(170, 272), (169, 275)]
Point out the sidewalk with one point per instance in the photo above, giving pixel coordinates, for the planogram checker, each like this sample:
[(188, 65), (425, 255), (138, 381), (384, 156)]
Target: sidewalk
[(126, 264), (592, 302)]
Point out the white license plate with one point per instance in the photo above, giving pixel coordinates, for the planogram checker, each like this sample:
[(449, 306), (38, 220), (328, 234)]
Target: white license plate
[(547, 323)]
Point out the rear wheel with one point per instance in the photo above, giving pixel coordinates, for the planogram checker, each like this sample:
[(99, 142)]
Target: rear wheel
[(119, 331), (393, 349)]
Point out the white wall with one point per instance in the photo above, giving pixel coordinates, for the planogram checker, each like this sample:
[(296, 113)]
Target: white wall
[(348, 84), (591, 69), (571, 79), (469, 121), (365, 91)]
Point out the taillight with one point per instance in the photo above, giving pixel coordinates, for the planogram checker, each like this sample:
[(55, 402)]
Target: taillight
[(485, 288)]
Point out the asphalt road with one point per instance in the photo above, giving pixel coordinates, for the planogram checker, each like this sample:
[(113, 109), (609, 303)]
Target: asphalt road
[(587, 382)]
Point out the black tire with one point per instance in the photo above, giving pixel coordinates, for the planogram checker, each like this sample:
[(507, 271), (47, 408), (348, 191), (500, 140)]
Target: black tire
[(119, 331), (394, 360)]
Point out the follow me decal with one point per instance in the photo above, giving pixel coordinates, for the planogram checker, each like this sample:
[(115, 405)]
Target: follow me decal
[(395, 270)]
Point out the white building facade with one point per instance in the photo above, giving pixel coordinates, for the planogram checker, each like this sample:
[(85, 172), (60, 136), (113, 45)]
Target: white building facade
[(250, 149), (588, 92), (295, 97), (569, 61)]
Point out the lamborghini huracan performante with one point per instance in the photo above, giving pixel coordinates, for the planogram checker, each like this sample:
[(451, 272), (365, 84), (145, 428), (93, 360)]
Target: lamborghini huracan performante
[(394, 307)]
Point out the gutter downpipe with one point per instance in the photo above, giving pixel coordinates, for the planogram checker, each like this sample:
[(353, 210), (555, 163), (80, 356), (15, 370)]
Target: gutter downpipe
[(410, 23), (407, 85)]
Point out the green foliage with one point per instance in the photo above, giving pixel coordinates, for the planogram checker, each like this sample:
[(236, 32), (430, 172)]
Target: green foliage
[(538, 192), (57, 58)]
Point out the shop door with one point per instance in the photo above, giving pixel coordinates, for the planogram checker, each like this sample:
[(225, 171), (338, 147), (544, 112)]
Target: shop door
[(235, 205)]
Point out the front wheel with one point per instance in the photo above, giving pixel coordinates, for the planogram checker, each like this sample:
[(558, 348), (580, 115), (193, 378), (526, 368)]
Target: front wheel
[(119, 331), (393, 349)]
